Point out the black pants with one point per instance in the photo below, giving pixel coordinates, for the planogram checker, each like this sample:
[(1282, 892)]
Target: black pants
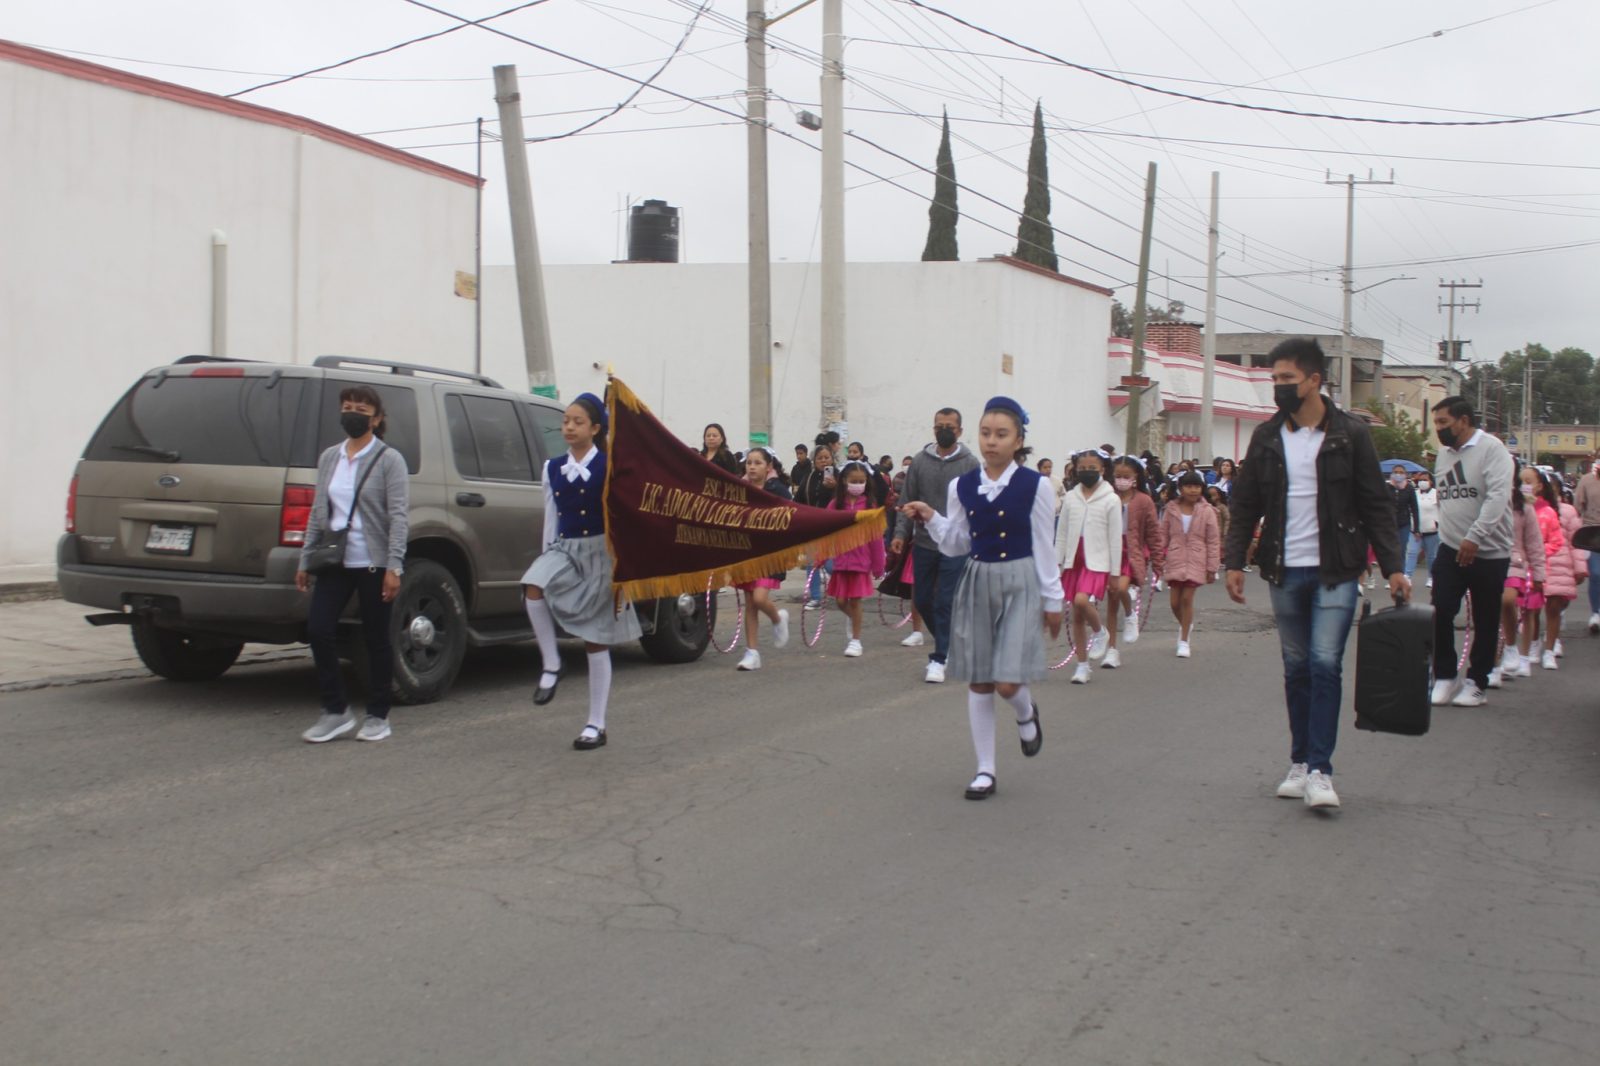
[(1486, 580), (328, 596)]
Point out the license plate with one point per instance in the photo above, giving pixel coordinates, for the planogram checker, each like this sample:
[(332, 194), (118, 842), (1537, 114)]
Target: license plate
[(170, 540)]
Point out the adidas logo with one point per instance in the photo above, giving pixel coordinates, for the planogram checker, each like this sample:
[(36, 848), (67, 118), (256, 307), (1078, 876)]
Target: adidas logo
[(1454, 485)]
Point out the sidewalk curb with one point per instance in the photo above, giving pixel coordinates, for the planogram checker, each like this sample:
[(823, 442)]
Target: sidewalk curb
[(29, 591), (133, 673)]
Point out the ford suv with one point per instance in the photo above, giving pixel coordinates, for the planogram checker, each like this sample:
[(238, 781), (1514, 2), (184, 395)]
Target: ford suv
[(188, 510)]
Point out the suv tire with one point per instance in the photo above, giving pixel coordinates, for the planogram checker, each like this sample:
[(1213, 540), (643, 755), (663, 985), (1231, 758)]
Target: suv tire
[(180, 657), (429, 633), (678, 637)]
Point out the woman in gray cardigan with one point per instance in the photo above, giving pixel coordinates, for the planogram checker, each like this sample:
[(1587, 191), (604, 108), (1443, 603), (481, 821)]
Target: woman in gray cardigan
[(374, 559)]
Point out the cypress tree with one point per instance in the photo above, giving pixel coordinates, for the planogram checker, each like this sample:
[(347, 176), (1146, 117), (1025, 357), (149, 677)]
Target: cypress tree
[(942, 212), (1036, 242)]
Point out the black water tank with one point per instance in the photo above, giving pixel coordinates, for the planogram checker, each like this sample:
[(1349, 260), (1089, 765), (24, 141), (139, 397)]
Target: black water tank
[(653, 233)]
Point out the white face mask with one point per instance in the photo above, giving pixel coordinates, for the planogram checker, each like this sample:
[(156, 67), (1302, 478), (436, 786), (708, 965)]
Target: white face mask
[(1398, 479), (856, 488)]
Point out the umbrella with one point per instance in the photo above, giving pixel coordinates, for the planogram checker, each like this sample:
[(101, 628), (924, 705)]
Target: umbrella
[(1410, 467)]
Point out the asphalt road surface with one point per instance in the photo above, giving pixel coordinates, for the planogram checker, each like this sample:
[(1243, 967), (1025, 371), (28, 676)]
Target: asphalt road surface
[(780, 868)]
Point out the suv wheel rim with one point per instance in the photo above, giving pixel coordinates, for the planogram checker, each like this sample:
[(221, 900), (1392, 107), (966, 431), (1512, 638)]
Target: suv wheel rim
[(421, 631), (423, 649)]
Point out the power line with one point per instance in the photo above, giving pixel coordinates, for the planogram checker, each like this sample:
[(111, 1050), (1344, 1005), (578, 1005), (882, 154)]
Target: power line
[(384, 51), (1239, 105)]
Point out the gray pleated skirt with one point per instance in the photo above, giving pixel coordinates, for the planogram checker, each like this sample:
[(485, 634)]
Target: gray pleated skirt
[(576, 577), (997, 624)]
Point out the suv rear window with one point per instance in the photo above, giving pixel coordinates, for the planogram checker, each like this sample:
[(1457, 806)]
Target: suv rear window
[(224, 421), (399, 420)]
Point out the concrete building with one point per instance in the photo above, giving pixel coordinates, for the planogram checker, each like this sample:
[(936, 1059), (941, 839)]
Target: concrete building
[(1366, 355), (1415, 389), (115, 187), (1564, 447)]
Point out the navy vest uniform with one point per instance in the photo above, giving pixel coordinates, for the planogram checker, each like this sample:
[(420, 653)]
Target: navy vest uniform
[(1002, 528), (580, 510)]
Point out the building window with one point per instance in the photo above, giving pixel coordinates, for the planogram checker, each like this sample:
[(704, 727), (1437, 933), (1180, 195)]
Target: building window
[(1581, 440), (1554, 440)]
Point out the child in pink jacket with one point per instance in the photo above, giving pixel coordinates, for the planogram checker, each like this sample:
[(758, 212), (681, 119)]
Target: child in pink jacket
[(1194, 551), (856, 572)]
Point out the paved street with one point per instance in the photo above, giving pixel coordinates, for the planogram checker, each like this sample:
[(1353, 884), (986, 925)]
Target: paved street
[(780, 868)]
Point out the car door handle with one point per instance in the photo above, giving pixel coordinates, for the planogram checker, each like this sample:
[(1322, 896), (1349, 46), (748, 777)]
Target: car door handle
[(470, 499)]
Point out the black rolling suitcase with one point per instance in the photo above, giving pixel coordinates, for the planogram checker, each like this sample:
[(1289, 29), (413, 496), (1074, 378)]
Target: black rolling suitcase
[(1394, 667)]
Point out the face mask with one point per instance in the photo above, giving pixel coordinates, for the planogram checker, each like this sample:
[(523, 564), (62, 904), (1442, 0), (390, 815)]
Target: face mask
[(1124, 484), (944, 436), (855, 488), (355, 423), (1088, 478), (1398, 479), (1287, 397), (1447, 437), (1424, 486)]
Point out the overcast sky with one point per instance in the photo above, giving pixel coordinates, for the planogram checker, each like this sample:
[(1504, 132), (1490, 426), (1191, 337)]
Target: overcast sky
[(1460, 194)]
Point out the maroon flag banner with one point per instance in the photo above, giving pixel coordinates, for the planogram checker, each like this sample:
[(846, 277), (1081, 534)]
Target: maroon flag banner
[(675, 522)]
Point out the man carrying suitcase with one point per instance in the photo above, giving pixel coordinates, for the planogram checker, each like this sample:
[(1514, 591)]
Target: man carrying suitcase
[(1474, 474), (1312, 475)]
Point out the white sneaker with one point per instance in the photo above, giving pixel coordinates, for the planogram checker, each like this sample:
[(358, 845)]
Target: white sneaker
[(1444, 690), (1080, 676), (1470, 695), (1155, 586), (1558, 649), (1372, 582), (1548, 661), (1319, 790), (329, 727), (852, 650), (934, 674), (780, 633), (1535, 649), (1510, 660), (1130, 629), (1430, 583), (1098, 642), (1497, 678), (1112, 660), (1183, 649), (751, 660), (1524, 666), (914, 640), (1293, 786), (1594, 624), (374, 729)]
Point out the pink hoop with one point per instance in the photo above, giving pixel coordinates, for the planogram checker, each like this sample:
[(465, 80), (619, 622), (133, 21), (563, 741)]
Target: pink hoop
[(903, 611), (822, 612), (711, 617), (1066, 627)]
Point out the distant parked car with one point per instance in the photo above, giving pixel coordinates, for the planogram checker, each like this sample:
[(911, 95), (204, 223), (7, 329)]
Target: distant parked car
[(188, 511)]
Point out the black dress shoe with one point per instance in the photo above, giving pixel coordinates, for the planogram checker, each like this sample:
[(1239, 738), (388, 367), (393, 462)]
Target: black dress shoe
[(585, 742), (1030, 748), (542, 696), (982, 792)]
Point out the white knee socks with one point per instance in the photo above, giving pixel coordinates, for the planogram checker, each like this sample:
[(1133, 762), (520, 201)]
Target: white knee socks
[(544, 630), (599, 687), (1022, 703), (980, 713)]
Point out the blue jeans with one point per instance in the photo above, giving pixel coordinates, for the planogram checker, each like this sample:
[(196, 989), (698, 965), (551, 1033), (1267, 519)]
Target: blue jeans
[(1429, 548), (819, 580), (935, 576), (1313, 622), (1406, 540), (1594, 582)]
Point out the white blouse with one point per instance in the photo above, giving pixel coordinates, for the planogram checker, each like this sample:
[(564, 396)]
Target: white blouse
[(953, 534)]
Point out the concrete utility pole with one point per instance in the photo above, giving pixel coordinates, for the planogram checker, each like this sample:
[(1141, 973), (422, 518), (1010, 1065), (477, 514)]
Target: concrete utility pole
[(524, 237), (1136, 382), (219, 293), (1347, 381), (1209, 346), (835, 408), (760, 257), (1449, 355)]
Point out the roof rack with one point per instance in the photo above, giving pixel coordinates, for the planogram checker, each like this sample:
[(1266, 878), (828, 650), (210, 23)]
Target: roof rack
[(389, 366), (186, 360)]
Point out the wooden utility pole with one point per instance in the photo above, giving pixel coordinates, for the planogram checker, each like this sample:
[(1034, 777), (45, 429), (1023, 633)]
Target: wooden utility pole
[(1136, 382)]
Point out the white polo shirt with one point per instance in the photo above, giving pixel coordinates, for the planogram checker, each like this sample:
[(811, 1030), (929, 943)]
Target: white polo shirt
[(341, 493), (1301, 531)]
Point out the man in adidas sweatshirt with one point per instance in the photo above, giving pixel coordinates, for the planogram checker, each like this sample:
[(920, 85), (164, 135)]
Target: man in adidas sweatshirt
[(934, 574), (1473, 475)]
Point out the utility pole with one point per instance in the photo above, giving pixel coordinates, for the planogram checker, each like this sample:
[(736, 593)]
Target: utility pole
[(1347, 380), (1209, 347), (1451, 354), (477, 259), (835, 408), (536, 348), (1136, 382), (760, 258)]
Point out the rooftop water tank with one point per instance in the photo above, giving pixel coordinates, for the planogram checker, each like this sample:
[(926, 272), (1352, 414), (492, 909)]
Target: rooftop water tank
[(653, 233)]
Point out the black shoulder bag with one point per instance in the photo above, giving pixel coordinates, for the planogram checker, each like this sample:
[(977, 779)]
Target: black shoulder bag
[(329, 555)]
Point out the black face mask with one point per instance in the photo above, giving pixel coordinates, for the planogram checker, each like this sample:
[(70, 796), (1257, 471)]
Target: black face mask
[(1447, 437), (355, 423), (944, 436), (1088, 478), (1288, 398)]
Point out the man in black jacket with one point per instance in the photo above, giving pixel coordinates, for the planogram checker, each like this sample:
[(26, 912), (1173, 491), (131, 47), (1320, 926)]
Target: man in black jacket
[(1311, 478)]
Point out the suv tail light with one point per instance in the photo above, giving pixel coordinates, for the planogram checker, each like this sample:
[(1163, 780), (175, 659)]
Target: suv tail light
[(296, 515), (72, 505)]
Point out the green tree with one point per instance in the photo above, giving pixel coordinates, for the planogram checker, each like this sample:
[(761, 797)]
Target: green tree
[(1036, 241), (942, 214), (1565, 388), (1396, 435), (1122, 318)]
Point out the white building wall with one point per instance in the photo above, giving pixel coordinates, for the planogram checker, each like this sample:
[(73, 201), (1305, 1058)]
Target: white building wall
[(108, 200)]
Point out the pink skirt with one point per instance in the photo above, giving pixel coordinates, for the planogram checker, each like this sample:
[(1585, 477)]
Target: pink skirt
[(850, 585), (1080, 579), (1527, 599), (908, 575), (759, 583), (1127, 560)]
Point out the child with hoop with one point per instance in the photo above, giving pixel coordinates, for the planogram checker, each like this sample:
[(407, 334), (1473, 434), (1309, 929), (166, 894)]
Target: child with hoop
[(1142, 549), (762, 470), (855, 572), (1088, 552)]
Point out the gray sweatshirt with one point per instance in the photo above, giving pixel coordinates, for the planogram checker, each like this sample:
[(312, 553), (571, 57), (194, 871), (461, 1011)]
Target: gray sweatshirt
[(384, 505), (928, 481), (1473, 484)]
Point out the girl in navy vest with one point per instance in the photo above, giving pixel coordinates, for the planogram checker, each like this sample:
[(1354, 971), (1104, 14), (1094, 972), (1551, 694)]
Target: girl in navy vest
[(570, 581), (1003, 516)]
